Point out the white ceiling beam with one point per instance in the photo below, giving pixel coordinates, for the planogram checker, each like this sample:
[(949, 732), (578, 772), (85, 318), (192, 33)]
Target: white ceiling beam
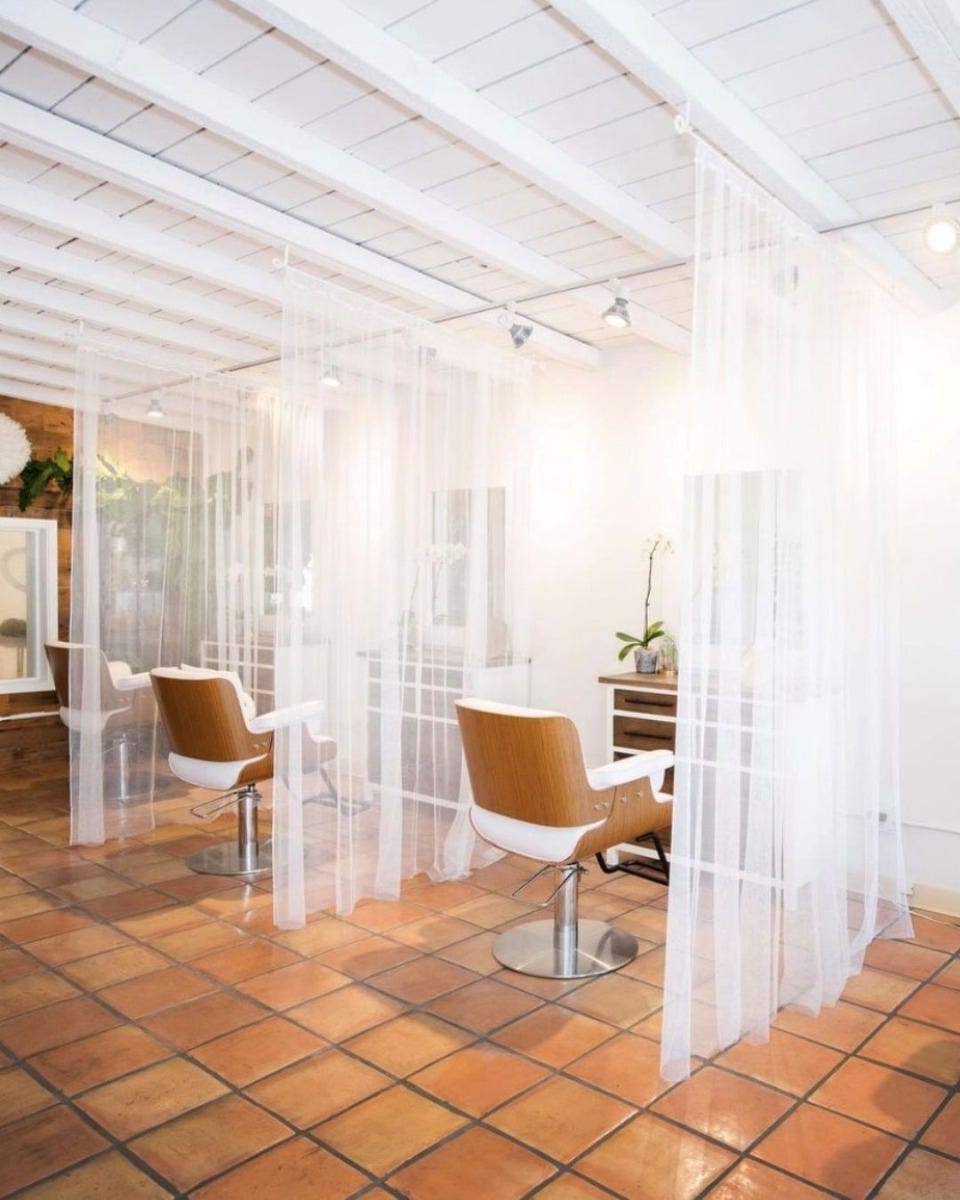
[(113, 316), (19, 390), (637, 40), (126, 64), (932, 28), (33, 372), (85, 272), (336, 31), (80, 220), (65, 336), (53, 137)]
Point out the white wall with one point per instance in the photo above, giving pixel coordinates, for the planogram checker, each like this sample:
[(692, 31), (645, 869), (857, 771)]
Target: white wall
[(929, 490), (605, 475)]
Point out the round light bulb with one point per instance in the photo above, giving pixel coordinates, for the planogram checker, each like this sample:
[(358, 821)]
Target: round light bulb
[(331, 379), (941, 234)]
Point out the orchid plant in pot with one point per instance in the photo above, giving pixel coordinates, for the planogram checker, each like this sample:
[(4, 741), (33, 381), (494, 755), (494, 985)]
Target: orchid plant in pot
[(645, 653)]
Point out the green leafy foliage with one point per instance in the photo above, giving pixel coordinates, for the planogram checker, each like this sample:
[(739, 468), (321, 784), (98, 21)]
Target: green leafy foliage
[(40, 472), (630, 642)]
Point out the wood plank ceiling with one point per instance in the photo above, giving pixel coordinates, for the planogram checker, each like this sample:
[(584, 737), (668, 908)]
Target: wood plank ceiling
[(158, 156)]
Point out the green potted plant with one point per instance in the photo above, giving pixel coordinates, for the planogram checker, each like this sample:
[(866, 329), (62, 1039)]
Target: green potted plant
[(645, 654)]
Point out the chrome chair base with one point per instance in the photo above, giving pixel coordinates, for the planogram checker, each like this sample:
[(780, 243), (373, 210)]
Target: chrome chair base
[(576, 952), (227, 858)]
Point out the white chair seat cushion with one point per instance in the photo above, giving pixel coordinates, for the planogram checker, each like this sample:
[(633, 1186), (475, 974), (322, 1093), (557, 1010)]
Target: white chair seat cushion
[(218, 776), (546, 843)]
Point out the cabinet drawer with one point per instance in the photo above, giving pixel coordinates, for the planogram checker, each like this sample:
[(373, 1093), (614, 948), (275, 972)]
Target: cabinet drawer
[(639, 733), (645, 702)]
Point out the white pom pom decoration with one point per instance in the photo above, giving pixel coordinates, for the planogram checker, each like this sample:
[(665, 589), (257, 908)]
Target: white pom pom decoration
[(14, 449)]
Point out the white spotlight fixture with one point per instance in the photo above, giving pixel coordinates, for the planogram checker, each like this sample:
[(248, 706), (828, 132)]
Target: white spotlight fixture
[(331, 379), (154, 411), (617, 316), (941, 234), (519, 334)]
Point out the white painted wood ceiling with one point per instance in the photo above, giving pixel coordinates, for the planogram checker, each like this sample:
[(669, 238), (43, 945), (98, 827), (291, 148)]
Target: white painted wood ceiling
[(158, 156)]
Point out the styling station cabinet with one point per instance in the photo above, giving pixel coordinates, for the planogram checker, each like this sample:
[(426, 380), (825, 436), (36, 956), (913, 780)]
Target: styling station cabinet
[(641, 714)]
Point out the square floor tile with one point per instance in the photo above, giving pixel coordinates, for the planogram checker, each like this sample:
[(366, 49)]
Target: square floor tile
[(649, 1159), (923, 1176), (627, 1066), (484, 1006), (571, 1187), (115, 966), (54, 1025), (198, 940), (292, 985), (464, 1167), (151, 993), (831, 1151), (725, 1107), (380, 915), (793, 1064), (201, 1020), (944, 1132), (407, 1043), (208, 1140), (44, 1143), (31, 992), (46, 921), (253, 957), (317, 937), (880, 1096), (369, 956), (105, 1177), (423, 979), (554, 1035), (94, 1060), (842, 1026), (296, 1094), (934, 1005), (346, 1012), (936, 934), (561, 1118), (21, 1095), (78, 943), (750, 1180), (615, 998), (921, 1049), (903, 958), (297, 1170), (137, 1102), (384, 1131), (475, 953), (878, 989), (950, 975), (479, 1078), (433, 932), (257, 1050)]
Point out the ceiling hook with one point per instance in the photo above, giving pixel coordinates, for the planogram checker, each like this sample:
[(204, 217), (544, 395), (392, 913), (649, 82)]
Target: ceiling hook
[(681, 122)]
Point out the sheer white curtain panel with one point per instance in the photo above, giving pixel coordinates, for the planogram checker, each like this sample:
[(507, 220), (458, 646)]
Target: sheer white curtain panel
[(786, 844), (400, 510), (166, 569)]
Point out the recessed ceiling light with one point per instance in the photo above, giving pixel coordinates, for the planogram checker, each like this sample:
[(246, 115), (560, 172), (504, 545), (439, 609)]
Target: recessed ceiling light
[(331, 378), (519, 334), (154, 411), (941, 234)]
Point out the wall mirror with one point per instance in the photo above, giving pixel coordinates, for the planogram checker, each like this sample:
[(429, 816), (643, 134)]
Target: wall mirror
[(28, 602)]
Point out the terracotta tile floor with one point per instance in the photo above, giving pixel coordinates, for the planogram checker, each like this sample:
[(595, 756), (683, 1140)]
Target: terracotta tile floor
[(159, 1038)]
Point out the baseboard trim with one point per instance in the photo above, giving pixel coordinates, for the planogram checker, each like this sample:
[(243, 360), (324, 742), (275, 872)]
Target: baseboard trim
[(936, 899)]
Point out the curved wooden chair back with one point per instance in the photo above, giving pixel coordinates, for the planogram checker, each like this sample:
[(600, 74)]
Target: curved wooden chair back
[(527, 767), (203, 719), (61, 654)]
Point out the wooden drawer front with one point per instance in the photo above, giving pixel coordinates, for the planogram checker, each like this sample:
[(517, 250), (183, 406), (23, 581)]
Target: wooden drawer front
[(645, 702), (640, 734)]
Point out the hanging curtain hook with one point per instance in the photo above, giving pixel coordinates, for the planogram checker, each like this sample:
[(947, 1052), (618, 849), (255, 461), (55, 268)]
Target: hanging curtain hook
[(283, 263), (681, 122)]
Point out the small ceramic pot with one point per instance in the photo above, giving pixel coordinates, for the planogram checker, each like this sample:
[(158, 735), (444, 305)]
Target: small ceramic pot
[(645, 661)]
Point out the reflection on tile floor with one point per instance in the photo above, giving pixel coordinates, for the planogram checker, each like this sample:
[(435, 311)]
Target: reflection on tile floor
[(159, 1038)]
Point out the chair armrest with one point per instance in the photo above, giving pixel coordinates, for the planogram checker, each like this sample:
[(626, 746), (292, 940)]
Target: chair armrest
[(132, 683), (308, 714), (646, 764)]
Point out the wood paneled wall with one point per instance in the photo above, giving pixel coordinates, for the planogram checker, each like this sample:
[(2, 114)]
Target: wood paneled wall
[(40, 739)]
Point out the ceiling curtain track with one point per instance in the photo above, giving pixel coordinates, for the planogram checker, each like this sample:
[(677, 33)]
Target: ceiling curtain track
[(787, 856), (400, 501)]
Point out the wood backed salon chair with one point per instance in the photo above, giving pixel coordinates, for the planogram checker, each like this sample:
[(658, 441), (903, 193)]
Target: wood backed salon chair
[(126, 703), (533, 796), (217, 742)]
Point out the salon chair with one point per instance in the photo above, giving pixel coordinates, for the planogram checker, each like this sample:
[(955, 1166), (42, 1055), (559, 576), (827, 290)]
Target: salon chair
[(126, 703), (533, 796), (217, 742)]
